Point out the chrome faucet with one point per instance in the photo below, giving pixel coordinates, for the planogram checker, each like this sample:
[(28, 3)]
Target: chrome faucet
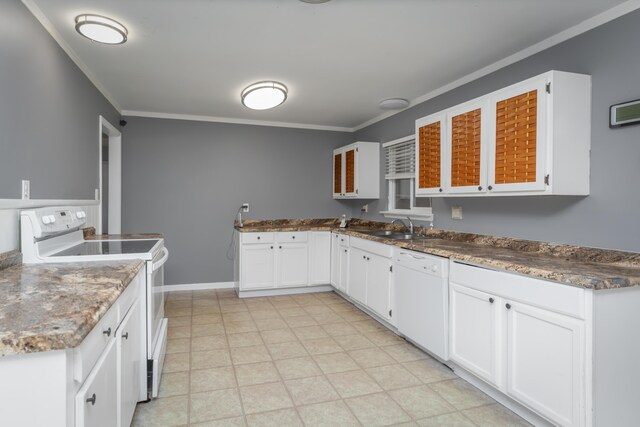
[(405, 225)]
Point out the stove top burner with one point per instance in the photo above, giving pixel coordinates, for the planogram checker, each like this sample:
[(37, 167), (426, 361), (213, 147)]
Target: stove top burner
[(108, 248)]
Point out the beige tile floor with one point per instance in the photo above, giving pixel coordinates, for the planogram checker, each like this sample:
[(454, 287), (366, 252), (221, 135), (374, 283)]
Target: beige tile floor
[(312, 360)]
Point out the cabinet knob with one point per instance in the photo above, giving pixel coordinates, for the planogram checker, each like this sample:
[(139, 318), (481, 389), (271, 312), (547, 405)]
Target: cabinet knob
[(491, 300), (125, 335), (508, 306), (92, 399), (490, 187), (364, 257), (480, 188), (258, 237), (345, 250), (440, 190), (107, 332), (293, 237), (279, 247), (368, 258), (271, 247)]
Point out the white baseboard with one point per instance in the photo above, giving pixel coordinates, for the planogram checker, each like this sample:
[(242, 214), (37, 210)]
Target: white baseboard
[(198, 286), (285, 291)]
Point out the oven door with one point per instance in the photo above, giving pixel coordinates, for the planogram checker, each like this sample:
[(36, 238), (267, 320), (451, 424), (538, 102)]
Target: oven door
[(155, 298)]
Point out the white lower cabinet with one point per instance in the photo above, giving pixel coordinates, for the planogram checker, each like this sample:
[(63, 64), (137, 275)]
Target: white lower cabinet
[(320, 272), (284, 260), (473, 325), (358, 275), (96, 402), (335, 259), (545, 361), (370, 276), (132, 362), (524, 336), (293, 264)]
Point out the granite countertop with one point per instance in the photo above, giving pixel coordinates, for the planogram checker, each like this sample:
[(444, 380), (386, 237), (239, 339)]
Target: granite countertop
[(589, 268), (54, 306)]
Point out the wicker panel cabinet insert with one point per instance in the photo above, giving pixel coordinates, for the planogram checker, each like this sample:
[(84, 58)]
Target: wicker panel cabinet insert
[(356, 171), (430, 134), (533, 137)]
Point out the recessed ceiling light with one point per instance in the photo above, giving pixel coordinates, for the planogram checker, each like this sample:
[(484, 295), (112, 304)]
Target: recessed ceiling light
[(101, 29), (264, 95), (314, 1), (394, 104)]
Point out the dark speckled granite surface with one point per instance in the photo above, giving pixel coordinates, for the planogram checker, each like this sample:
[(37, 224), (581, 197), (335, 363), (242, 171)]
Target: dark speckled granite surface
[(9, 259), (589, 268), (90, 234), (54, 306)]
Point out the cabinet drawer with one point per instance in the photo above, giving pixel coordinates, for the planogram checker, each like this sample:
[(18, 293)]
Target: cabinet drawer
[(291, 236), (373, 247), (556, 297), (248, 238), (88, 352)]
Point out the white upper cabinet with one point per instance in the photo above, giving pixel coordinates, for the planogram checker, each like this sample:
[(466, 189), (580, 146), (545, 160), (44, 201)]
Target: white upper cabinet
[(533, 137), (356, 171)]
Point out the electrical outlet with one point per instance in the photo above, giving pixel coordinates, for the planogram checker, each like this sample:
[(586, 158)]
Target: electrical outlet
[(456, 212), (26, 189), (364, 208), (245, 207)]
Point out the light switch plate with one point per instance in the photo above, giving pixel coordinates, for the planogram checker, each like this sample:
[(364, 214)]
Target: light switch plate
[(26, 189), (245, 207), (364, 208), (456, 212)]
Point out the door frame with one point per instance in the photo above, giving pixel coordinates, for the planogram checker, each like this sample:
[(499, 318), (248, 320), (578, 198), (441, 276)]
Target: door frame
[(115, 176)]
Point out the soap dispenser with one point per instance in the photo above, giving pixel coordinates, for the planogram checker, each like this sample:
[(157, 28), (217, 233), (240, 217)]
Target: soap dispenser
[(343, 221)]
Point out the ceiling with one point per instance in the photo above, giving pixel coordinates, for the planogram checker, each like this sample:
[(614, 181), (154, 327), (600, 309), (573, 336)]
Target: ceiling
[(338, 59)]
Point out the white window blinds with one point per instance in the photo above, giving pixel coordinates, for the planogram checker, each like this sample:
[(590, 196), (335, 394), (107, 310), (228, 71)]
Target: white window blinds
[(401, 160)]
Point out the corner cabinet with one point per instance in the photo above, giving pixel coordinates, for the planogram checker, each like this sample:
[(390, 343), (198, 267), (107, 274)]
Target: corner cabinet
[(356, 171), (530, 138)]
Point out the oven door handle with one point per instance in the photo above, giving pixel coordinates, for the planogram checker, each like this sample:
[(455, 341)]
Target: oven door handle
[(160, 263)]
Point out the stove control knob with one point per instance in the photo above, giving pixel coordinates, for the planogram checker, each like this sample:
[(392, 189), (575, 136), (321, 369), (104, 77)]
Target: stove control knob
[(434, 268), (45, 219), (79, 214), (84, 215), (52, 219)]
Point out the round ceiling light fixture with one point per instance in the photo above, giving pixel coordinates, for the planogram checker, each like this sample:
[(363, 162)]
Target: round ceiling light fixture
[(101, 29), (314, 1), (264, 95), (394, 104)]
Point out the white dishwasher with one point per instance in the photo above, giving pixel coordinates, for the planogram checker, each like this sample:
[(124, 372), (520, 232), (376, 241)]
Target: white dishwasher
[(422, 300)]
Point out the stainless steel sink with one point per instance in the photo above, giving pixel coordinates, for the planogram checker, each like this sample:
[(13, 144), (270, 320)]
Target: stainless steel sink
[(389, 234), (382, 233)]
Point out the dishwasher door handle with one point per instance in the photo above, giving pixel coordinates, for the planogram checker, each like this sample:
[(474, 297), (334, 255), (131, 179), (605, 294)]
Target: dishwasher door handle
[(411, 255)]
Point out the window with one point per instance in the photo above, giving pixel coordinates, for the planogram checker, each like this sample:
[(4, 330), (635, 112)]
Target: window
[(400, 158)]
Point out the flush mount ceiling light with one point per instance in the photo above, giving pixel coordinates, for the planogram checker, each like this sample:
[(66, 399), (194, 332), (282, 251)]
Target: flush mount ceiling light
[(314, 1), (101, 29), (264, 95), (394, 104)]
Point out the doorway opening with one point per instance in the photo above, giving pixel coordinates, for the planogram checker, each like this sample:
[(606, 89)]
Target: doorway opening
[(110, 173)]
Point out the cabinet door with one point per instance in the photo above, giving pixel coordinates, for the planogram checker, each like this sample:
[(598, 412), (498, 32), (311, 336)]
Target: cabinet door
[(379, 285), (474, 332), (257, 266), (132, 363), (518, 142), (430, 154), (350, 172), (545, 362), (338, 159), (293, 264), (335, 259), (466, 148), (358, 275), (343, 269), (97, 400), (320, 257)]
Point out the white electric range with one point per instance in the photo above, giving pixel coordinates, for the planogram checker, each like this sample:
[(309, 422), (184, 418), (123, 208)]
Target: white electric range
[(54, 234)]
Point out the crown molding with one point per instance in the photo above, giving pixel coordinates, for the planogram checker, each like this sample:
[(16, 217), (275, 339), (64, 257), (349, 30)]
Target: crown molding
[(155, 115)]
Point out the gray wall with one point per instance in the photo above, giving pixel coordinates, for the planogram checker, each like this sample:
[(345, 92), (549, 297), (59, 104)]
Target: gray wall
[(48, 113), (608, 217), (187, 180)]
